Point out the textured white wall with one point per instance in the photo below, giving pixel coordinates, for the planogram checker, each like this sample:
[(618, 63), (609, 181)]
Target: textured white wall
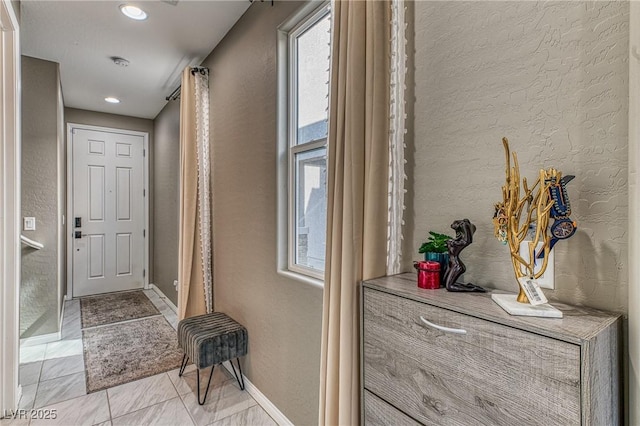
[(553, 78)]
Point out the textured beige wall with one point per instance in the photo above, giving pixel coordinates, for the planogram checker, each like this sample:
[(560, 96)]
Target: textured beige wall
[(115, 121), (166, 163), (553, 78), (40, 286), (634, 219), (283, 317)]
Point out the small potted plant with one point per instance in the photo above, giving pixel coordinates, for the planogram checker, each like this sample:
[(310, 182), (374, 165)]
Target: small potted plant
[(436, 249)]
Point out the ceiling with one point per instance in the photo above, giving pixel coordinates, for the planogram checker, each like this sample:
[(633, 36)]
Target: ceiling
[(82, 36)]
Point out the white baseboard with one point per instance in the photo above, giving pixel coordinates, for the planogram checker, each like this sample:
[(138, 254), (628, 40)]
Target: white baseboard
[(263, 401), (45, 338), (41, 340), (251, 389), (162, 296)]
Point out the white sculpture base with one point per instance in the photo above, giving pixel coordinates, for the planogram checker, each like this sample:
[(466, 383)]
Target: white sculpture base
[(509, 303)]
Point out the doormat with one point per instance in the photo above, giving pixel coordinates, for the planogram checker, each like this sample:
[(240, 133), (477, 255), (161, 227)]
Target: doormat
[(108, 308), (121, 353)]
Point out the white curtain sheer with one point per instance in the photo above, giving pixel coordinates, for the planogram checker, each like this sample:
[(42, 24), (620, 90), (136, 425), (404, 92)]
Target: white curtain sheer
[(204, 181), (195, 295), (397, 131)]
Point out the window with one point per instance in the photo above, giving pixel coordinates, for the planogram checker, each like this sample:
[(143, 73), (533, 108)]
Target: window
[(306, 117)]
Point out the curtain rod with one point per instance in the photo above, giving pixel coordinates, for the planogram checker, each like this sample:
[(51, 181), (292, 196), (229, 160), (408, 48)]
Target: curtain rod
[(176, 93)]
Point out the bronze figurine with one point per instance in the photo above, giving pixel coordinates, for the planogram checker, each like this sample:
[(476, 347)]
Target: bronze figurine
[(464, 236)]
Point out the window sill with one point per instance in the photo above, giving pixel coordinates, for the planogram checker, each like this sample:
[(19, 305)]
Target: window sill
[(314, 282)]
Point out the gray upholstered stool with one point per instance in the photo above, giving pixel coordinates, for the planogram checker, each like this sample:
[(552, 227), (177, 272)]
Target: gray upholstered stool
[(209, 340)]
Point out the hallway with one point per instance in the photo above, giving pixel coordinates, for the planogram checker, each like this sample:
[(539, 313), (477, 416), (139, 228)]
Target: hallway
[(53, 378)]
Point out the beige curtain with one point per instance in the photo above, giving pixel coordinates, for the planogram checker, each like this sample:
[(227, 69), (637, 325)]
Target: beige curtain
[(192, 266), (357, 194)]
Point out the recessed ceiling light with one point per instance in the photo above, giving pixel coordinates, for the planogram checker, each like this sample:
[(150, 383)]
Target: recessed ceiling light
[(112, 100), (133, 12)]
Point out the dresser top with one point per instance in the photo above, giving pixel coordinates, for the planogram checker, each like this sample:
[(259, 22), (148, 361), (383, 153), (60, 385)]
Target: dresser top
[(577, 325)]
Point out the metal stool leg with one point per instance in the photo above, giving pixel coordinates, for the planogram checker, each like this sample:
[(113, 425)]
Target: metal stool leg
[(241, 379), (208, 383), (183, 365)]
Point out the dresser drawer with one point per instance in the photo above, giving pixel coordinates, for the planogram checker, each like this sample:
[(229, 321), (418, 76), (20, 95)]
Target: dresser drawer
[(379, 413), (493, 374)]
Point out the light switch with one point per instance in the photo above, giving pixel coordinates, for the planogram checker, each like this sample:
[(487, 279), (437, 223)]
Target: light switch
[(29, 223)]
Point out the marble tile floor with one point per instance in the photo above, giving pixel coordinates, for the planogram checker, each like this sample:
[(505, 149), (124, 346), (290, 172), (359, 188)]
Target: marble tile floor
[(53, 378)]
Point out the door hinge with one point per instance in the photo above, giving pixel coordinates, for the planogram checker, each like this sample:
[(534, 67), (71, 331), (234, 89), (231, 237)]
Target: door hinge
[(144, 192), (144, 152), (144, 233), (144, 273)]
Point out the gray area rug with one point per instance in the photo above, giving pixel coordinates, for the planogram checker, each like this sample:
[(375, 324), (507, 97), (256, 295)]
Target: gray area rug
[(115, 307), (121, 353)]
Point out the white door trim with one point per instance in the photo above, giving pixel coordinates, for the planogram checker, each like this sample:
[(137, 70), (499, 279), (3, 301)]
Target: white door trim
[(70, 219), (10, 213)]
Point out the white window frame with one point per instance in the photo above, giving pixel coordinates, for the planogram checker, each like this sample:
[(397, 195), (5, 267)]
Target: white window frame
[(296, 25)]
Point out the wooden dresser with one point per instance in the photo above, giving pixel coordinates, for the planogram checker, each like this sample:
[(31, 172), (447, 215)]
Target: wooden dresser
[(474, 364)]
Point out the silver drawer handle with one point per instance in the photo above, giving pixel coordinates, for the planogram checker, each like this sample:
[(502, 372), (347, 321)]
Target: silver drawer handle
[(445, 329)]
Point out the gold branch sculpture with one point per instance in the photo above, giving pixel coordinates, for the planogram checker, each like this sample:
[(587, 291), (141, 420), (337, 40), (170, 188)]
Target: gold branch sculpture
[(517, 212)]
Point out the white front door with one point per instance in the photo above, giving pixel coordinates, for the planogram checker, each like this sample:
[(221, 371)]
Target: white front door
[(108, 217)]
